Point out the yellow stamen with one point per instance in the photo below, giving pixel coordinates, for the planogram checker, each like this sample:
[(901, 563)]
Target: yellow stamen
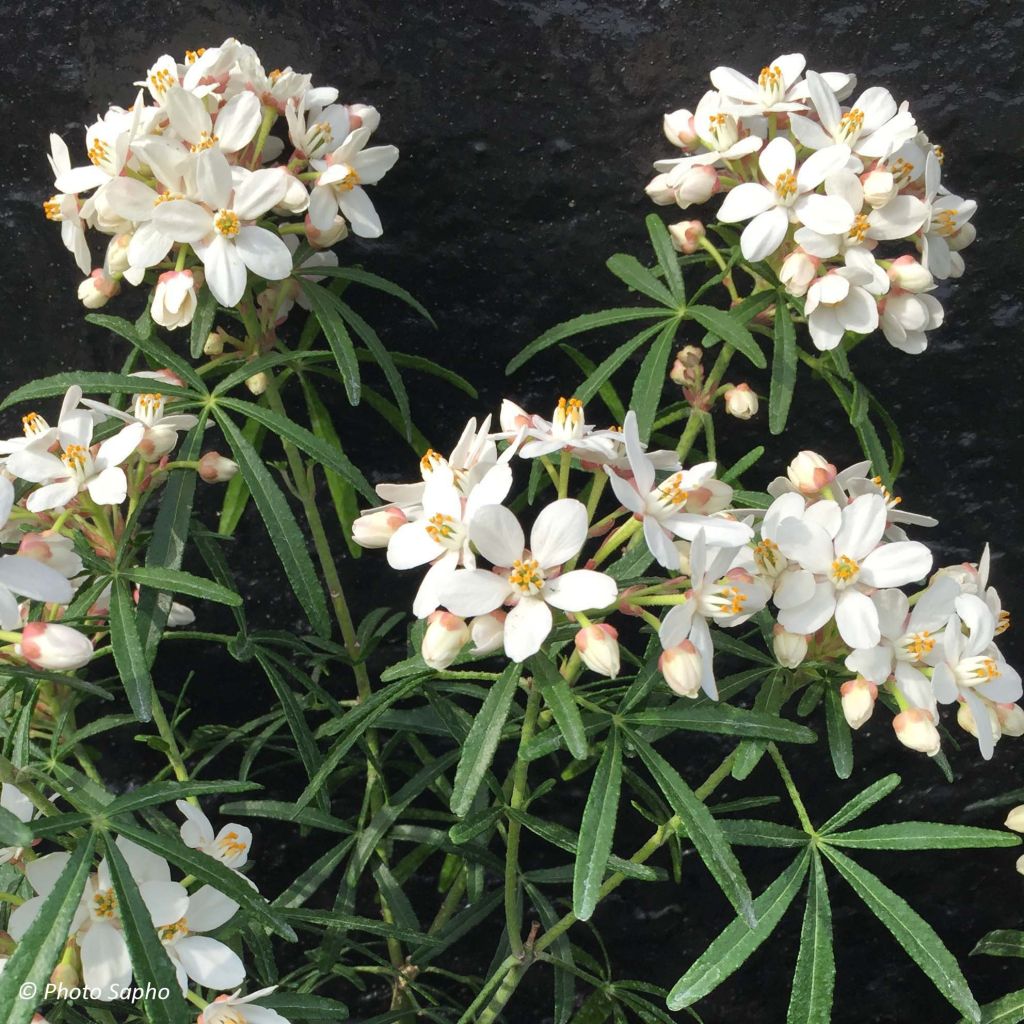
[(431, 460), (785, 185), (889, 498), (851, 123), (766, 554), (844, 569), (770, 77), (191, 56), (1003, 621), (98, 151), (231, 845), (52, 209), (349, 182), (174, 931), (671, 491), (945, 222), (859, 231), (74, 456), (32, 423), (919, 644), (161, 81), (526, 575), (441, 527), (207, 140), (226, 223), (940, 154), (987, 671), (104, 903)]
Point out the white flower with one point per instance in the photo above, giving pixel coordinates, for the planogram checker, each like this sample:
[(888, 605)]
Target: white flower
[(948, 216), (52, 549), (64, 208), (664, 508), (528, 579), (844, 300), (313, 127), (565, 431), (174, 300), (778, 88), (236, 124), (222, 232), (906, 319), (234, 1009), (14, 802), (789, 196), (339, 187), (841, 557), (230, 845), (160, 430)]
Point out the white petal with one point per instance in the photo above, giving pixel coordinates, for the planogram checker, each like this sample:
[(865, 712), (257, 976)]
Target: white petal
[(144, 865), (559, 533), (131, 199), (187, 113), (209, 908), (264, 253), (639, 462), (764, 234), (52, 496), (323, 207), (858, 313), (893, 565), (877, 106), (149, 245), (357, 206), (116, 449), (497, 535), (109, 487), (873, 663), (410, 545), (824, 101), (213, 177), (810, 616), (818, 166), (474, 592), (795, 588), (899, 218), (659, 543), (625, 491), (32, 579), (260, 191), (526, 628), (745, 201), (44, 872), (182, 220), (225, 271), (580, 589), (210, 963), (105, 962), (857, 619), (238, 121), (809, 133), (166, 902), (828, 215), (863, 526), (676, 625), (807, 544), (778, 157), (372, 164)]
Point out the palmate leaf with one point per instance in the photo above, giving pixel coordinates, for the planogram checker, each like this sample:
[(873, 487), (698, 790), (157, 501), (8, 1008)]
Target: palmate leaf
[(597, 830), (814, 977), (33, 960), (728, 328), (860, 804), (911, 931)]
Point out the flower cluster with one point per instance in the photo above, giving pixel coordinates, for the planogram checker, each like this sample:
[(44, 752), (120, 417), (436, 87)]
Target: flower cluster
[(830, 553), (826, 192), (193, 174)]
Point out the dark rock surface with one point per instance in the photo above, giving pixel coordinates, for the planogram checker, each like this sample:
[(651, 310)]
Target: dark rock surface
[(527, 129)]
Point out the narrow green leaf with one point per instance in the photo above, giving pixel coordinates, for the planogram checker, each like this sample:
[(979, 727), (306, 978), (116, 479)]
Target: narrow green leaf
[(32, 962), (726, 720), (923, 835), (741, 465), (179, 582), (597, 829), (322, 303), (650, 380), (559, 698), (150, 346), (288, 540), (840, 738), (668, 258), (1003, 942), (129, 656), (151, 966), (810, 1001), (768, 700), (784, 366), (737, 942), (1008, 1009), (154, 793), (305, 1006), (202, 321), (482, 741), (359, 276), (730, 330), (428, 366), (911, 931), (704, 831), (236, 494), (860, 804), (744, 832), (597, 379), (632, 272), (90, 383), (13, 831)]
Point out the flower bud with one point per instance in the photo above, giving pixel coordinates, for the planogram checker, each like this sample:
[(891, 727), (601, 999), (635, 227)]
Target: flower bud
[(690, 355), (660, 191), (910, 276), (1015, 819), (966, 720), (97, 290), (50, 645), (296, 198), (599, 648), (375, 529), (686, 235), (741, 402), (799, 269), (325, 239), (1011, 719), (879, 188), (809, 473), (488, 633), (257, 383), (214, 344), (362, 115), (445, 636), (65, 978), (115, 262), (679, 129), (681, 667), (698, 185), (790, 648), (52, 549), (858, 698), (1020, 865), (214, 468), (916, 730), (174, 300)]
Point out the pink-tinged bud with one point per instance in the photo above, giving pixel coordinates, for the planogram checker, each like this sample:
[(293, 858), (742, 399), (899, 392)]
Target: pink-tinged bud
[(741, 402), (690, 355), (375, 529), (966, 720), (52, 549), (686, 235), (97, 290), (660, 191), (599, 648), (1011, 719), (174, 300), (790, 648), (916, 730), (214, 468), (65, 978), (115, 263), (681, 666), (679, 129), (325, 239), (1015, 819), (908, 275), (879, 188), (685, 376), (445, 636), (53, 646), (488, 633), (257, 383), (698, 185), (362, 115), (858, 697), (799, 269), (157, 442), (809, 473)]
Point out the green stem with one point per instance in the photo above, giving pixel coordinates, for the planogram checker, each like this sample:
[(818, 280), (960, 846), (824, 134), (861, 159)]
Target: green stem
[(617, 538), (696, 417), (564, 465), (167, 735)]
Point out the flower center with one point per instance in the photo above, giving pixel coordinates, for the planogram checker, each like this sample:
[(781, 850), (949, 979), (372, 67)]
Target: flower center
[(770, 83), (850, 124), (945, 222), (430, 462), (191, 56), (230, 845), (723, 130), (104, 904), (768, 557), (33, 424), (349, 182), (52, 209), (917, 645), (74, 457), (568, 418), (207, 140), (901, 171), (174, 931), (98, 152), (226, 223), (977, 671), (162, 80), (671, 493), (859, 231), (526, 576), (940, 154), (890, 500), (446, 531), (149, 408), (785, 185), (275, 74), (844, 571), (727, 601)]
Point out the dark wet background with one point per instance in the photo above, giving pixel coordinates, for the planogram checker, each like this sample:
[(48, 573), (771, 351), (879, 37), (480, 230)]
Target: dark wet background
[(527, 130)]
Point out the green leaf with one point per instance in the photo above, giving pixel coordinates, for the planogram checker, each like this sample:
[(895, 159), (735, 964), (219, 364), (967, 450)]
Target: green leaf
[(597, 829), (1003, 942), (810, 1001), (151, 965), (90, 383), (1008, 1009), (744, 832), (580, 324), (632, 272), (860, 804), (154, 793), (236, 494), (364, 277), (178, 582), (428, 366), (923, 835), (322, 302), (732, 948), (840, 739), (911, 931), (650, 380), (784, 365), (559, 698), (202, 321), (129, 656), (13, 831), (730, 330), (598, 378), (482, 741), (704, 831), (768, 700), (151, 347), (32, 962), (668, 258), (288, 540), (726, 720), (305, 1006)]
